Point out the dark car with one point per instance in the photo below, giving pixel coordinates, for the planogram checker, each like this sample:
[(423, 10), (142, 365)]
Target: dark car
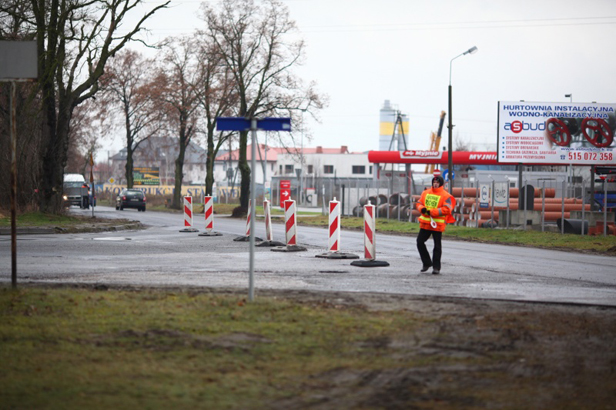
[(131, 198)]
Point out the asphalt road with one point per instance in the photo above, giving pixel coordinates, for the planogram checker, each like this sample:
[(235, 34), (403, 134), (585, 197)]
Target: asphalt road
[(161, 255)]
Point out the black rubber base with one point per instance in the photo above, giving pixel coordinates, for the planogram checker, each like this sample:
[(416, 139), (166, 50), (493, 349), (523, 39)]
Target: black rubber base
[(337, 255), (189, 230), (246, 239), (210, 234), (289, 248), (369, 264), (270, 243)]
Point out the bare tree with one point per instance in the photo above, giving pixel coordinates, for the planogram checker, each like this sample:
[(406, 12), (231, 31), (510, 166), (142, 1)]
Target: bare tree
[(85, 135), (463, 144), (129, 90), (180, 76), (216, 94), (75, 40), (254, 40)]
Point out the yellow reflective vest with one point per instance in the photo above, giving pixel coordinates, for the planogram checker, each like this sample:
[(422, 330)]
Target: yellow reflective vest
[(440, 205)]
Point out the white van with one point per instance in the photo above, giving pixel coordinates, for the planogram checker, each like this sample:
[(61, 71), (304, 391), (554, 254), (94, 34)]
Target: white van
[(75, 191)]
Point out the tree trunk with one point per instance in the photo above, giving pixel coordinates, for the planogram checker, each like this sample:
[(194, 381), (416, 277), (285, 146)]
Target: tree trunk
[(179, 165), (179, 174), (55, 154), (209, 163), (129, 167), (244, 170)]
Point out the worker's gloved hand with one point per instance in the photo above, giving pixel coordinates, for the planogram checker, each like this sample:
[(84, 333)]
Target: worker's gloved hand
[(424, 211)]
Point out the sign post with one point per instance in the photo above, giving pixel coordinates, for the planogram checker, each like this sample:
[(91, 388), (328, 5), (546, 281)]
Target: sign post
[(252, 124), (18, 63), (285, 192)]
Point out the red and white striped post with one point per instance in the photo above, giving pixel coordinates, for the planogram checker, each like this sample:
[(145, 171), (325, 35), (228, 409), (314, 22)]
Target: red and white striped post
[(290, 224), (333, 243), (369, 240), (208, 211), (248, 217), (246, 238), (188, 215), (369, 228), (269, 235), (334, 226)]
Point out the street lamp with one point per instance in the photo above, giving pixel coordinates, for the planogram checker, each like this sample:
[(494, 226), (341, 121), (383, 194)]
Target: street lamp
[(471, 50), (570, 97)]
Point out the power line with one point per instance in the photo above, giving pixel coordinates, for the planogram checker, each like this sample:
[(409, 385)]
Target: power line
[(495, 24), (469, 22)]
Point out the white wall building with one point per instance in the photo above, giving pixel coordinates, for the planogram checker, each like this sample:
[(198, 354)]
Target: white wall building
[(306, 168), (322, 162)]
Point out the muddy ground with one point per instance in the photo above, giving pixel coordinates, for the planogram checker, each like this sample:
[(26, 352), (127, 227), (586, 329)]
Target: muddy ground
[(474, 354), (479, 354)]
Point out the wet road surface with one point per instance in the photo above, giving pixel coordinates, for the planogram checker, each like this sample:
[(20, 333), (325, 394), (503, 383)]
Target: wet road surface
[(162, 256)]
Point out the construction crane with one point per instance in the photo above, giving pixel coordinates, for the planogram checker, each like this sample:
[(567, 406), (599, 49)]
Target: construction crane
[(398, 132), (435, 142)]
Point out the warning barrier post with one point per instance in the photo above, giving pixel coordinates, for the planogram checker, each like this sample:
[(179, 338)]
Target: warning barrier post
[(290, 223), (188, 215), (246, 238), (269, 235), (208, 211), (333, 245), (369, 240)]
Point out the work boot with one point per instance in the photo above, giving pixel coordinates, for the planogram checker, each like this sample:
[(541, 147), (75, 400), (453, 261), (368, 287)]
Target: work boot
[(436, 271), (425, 268)]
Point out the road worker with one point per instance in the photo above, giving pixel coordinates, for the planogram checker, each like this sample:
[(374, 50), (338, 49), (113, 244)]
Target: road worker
[(436, 206)]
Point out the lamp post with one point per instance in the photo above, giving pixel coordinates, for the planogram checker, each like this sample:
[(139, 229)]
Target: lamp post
[(471, 50), (570, 97)]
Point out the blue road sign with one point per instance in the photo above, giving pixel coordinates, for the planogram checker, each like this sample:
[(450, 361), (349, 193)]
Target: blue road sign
[(243, 124), (274, 124), (446, 175), (232, 124)]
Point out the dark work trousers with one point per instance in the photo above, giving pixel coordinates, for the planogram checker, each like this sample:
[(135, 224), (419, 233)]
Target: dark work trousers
[(423, 236)]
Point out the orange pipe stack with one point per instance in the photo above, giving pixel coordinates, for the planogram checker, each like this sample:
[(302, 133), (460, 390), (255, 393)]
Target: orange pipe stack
[(513, 192)]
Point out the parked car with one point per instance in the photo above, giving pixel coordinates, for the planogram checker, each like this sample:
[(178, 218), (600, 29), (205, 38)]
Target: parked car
[(131, 198)]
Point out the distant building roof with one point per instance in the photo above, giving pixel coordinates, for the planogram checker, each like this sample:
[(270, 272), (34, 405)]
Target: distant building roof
[(272, 152), (155, 147)]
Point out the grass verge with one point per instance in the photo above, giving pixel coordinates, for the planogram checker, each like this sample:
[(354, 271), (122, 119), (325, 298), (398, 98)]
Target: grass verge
[(159, 349), (40, 219), (165, 350)]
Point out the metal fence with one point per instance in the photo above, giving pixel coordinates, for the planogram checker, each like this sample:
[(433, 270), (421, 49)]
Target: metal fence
[(547, 201)]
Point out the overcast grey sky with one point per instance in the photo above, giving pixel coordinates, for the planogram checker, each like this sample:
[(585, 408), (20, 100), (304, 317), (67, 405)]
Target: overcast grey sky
[(362, 52)]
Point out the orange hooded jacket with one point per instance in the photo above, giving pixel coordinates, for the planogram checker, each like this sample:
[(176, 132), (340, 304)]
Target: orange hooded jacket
[(440, 205)]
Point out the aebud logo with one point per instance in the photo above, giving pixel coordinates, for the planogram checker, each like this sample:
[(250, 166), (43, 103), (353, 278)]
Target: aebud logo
[(519, 126)]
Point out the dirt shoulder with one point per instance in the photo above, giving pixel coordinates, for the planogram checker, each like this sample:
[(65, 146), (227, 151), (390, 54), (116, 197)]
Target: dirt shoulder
[(477, 354)]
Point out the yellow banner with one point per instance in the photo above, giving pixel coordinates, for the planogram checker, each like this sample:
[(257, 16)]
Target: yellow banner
[(161, 190), (387, 128)]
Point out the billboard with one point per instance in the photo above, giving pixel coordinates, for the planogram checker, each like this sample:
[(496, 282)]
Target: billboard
[(556, 133), (146, 176)]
